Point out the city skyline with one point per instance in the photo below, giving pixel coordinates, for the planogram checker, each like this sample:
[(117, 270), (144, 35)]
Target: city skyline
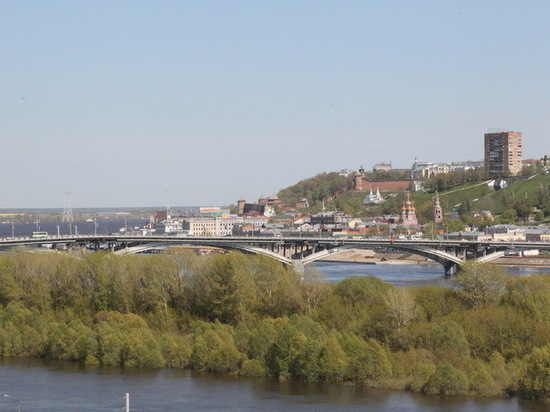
[(203, 103)]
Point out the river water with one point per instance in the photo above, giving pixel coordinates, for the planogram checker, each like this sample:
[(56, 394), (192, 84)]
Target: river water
[(37, 385), (100, 227), (402, 274)]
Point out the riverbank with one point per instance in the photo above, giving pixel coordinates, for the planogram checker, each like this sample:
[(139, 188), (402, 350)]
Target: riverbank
[(371, 257)]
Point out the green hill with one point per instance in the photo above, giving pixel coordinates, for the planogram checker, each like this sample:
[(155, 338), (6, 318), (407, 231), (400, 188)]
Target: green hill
[(521, 194)]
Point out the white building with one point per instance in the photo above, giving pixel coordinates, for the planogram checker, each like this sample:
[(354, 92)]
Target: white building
[(373, 199), (218, 226)]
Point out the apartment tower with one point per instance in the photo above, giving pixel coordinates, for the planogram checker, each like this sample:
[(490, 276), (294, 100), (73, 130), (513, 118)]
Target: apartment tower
[(503, 153)]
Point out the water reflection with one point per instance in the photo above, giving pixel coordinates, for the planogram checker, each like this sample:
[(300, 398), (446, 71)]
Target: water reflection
[(54, 386)]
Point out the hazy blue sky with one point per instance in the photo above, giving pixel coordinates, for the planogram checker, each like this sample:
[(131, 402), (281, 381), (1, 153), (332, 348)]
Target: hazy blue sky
[(145, 103)]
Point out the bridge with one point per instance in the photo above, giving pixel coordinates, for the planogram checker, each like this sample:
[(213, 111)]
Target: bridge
[(296, 251)]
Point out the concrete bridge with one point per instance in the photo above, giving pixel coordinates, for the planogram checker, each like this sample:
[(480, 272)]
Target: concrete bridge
[(298, 251)]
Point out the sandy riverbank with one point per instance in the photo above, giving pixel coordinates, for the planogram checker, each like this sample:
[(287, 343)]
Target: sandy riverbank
[(369, 256)]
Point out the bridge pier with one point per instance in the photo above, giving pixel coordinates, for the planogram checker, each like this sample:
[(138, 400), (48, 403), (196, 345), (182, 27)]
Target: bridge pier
[(450, 268), (299, 266)]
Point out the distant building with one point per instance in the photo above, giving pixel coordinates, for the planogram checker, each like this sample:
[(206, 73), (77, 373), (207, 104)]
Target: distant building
[(213, 211), (382, 166), (373, 199), (302, 204), (503, 153), (345, 172), (360, 182), (327, 218), (423, 170), (204, 226)]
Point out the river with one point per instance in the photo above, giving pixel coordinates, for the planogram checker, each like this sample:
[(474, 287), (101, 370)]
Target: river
[(38, 385), (402, 274), (101, 227)]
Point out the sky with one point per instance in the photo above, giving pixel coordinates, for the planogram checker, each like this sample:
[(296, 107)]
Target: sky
[(201, 103)]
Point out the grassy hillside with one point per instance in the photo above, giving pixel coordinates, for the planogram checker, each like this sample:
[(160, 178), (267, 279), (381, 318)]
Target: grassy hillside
[(482, 198), (472, 196)]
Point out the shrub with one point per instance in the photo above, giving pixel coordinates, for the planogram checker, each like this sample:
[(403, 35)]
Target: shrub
[(535, 382), (446, 380), (252, 367)]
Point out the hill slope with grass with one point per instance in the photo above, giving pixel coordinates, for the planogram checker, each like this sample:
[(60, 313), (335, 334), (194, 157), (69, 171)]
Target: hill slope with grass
[(511, 203)]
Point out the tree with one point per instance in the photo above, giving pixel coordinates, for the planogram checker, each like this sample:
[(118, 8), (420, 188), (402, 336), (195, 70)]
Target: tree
[(482, 282), (447, 380), (535, 382), (523, 208), (222, 289), (453, 225), (214, 348), (531, 294), (444, 338), (368, 361), (333, 361), (277, 288)]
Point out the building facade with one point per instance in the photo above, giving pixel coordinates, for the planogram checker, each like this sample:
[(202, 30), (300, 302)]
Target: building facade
[(503, 153)]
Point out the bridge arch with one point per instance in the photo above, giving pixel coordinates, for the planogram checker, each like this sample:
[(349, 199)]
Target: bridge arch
[(449, 261), (144, 247)]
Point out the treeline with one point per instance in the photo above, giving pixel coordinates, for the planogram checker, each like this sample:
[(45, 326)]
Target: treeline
[(249, 315), (447, 181), (316, 189)]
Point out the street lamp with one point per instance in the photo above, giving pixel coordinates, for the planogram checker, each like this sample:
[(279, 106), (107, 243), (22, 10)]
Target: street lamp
[(15, 399)]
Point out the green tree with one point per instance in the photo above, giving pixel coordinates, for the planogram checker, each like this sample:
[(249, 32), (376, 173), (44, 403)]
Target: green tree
[(333, 361), (277, 288), (453, 225), (368, 361), (503, 328), (535, 382), (531, 294), (222, 289), (253, 367), (214, 348), (176, 350), (523, 208), (446, 337), (509, 215), (447, 380)]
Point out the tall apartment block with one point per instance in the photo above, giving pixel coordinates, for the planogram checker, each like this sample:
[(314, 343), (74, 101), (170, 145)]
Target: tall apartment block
[(503, 153)]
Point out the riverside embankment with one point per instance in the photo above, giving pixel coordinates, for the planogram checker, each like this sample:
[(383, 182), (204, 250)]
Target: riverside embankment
[(371, 257)]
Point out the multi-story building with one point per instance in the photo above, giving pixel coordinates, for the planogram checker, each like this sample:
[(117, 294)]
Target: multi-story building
[(204, 226), (503, 151)]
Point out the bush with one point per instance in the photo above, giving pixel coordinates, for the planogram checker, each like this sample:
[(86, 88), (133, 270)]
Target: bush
[(447, 380), (252, 367), (214, 349), (535, 382)]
